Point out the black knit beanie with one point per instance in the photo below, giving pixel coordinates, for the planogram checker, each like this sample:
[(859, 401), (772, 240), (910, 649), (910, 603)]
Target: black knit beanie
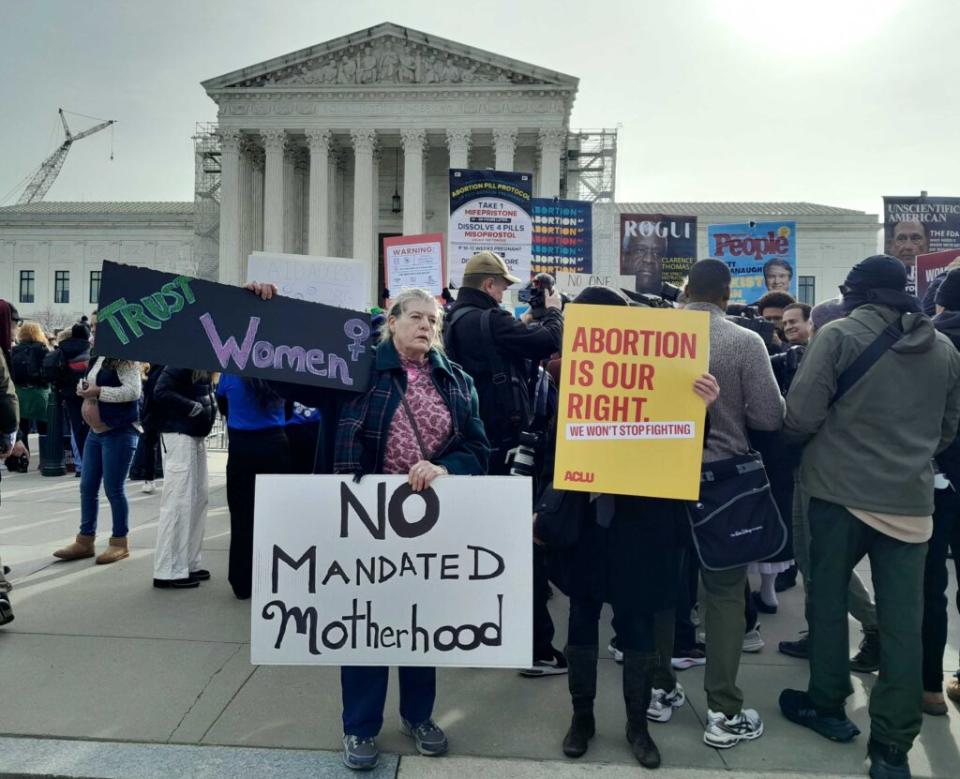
[(948, 295), (878, 272)]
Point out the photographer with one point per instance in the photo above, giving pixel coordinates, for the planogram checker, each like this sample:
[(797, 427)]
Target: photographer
[(503, 355)]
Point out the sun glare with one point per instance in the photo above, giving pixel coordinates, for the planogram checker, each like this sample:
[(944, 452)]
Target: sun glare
[(803, 28)]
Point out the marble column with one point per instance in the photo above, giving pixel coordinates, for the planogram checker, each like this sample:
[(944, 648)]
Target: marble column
[(289, 200), (246, 205), (551, 142), (504, 146), (230, 260), (364, 212), (413, 180), (319, 209), (458, 141), (335, 209), (256, 187), (273, 144)]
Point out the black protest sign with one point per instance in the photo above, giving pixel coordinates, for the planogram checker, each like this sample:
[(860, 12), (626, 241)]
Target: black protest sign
[(157, 317)]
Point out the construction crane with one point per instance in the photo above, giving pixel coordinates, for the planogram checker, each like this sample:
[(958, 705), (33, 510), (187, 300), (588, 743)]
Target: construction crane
[(43, 179)]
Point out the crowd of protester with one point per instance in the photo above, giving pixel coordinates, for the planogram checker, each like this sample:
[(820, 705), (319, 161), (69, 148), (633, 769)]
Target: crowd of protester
[(850, 410)]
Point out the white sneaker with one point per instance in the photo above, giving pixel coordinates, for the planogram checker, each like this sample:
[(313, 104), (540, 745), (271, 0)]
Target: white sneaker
[(615, 652), (752, 642), (723, 732), (662, 703)]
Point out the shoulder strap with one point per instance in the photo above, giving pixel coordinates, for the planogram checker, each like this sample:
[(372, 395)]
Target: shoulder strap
[(499, 373), (866, 360), (413, 422)]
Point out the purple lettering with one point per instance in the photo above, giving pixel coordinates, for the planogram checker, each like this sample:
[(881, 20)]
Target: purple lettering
[(228, 349), (295, 356), (315, 362), (263, 354)]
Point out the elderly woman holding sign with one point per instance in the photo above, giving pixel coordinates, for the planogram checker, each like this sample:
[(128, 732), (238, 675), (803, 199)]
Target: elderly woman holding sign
[(420, 418)]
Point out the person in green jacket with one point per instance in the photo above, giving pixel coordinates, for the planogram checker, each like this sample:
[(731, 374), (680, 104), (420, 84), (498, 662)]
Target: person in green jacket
[(867, 469)]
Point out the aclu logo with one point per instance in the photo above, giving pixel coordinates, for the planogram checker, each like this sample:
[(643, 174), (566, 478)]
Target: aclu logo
[(579, 476)]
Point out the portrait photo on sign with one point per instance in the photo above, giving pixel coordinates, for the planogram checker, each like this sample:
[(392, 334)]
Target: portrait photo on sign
[(657, 249)]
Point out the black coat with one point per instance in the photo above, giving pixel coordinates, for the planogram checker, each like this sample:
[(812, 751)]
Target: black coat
[(176, 399), (517, 345), (948, 460), (635, 561)]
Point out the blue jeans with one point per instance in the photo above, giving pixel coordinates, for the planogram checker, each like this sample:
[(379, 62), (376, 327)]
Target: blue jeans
[(364, 690), (106, 458)]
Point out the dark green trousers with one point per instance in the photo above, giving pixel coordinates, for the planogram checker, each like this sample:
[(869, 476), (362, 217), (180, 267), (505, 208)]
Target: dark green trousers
[(838, 542), (725, 623)]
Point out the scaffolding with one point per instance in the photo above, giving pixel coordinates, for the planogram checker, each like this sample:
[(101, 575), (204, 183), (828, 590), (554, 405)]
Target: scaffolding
[(591, 171), (206, 200)]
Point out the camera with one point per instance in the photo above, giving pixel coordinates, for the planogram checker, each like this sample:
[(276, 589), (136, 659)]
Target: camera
[(749, 317), (667, 297), (536, 291), (522, 458)]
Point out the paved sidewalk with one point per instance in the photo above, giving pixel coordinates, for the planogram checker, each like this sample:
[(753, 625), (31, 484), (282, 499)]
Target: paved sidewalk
[(97, 656)]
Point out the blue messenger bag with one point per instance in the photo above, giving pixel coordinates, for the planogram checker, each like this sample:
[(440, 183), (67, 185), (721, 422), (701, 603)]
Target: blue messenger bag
[(736, 520)]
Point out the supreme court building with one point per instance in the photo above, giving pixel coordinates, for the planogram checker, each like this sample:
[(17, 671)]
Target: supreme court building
[(316, 144), (328, 150)]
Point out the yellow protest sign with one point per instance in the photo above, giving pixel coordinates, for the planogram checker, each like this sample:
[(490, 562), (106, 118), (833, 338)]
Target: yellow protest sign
[(629, 422)]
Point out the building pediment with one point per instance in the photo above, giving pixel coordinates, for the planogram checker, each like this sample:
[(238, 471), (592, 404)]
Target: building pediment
[(389, 56)]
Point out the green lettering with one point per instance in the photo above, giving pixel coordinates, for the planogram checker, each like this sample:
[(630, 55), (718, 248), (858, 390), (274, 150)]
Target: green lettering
[(108, 314), (134, 315), (168, 291), (157, 306), (184, 282)]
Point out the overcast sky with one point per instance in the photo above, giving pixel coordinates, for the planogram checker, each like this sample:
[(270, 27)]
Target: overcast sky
[(829, 101)]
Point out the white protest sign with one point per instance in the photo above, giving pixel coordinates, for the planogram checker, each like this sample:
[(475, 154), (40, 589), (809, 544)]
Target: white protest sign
[(332, 280), (573, 284), (413, 261), (374, 574)]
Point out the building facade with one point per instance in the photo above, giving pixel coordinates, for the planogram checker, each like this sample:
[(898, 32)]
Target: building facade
[(315, 144), (330, 149), (51, 253)]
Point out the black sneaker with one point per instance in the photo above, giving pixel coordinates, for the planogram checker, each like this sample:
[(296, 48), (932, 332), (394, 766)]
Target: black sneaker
[(887, 762), (201, 575), (799, 648), (6, 610), (835, 725), (786, 579), (867, 660), (552, 665), (176, 584)]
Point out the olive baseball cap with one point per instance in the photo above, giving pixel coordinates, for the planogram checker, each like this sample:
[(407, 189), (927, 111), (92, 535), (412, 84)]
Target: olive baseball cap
[(489, 264)]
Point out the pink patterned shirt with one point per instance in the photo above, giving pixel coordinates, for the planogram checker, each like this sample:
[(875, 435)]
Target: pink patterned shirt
[(431, 413)]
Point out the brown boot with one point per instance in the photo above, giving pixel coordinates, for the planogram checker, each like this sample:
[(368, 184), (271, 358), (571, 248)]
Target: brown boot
[(82, 547), (116, 550)]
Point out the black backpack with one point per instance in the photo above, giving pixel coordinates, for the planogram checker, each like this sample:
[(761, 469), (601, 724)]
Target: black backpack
[(509, 386), (52, 368), (26, 365)]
